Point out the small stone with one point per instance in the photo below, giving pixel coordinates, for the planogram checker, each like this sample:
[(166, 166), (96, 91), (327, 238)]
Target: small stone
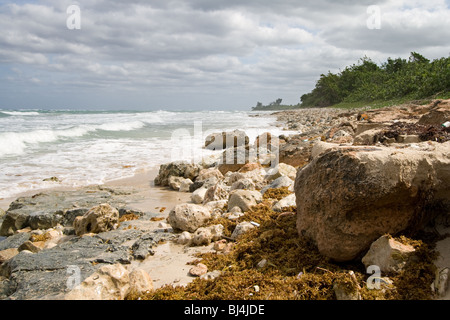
[(140, 282), (32, 246), (241, 228), (8, 254), (262, 264), (199, 270), (220, 245), (211, 275)]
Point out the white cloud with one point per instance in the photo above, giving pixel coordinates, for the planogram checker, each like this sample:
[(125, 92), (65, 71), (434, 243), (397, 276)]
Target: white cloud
[(236, 52)]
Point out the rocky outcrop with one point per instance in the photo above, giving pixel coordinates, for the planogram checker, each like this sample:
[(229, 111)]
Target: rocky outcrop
[(182, 169), (99, 219), (223, 140), (347, 198)]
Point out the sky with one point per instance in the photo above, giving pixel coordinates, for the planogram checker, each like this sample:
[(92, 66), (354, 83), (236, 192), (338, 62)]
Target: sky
[(199, 54)]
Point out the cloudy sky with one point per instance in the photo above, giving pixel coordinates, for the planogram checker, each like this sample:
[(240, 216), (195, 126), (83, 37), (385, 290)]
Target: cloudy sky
[(199, 54)]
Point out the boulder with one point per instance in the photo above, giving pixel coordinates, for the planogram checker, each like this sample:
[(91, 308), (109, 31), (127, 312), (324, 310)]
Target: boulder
[(284, 203), (234, 159), (175, 182), (349, 197), (188, 217), (208, 173), (110, 282), (246, 184), (198, 196), (244, 199), (8, 254), (216, 192), (388, 254), (223, 140), (438, 114), (99, 219), (280, 182), (206, 235), (178, 169), (140, 282), (185, 185), (281, 170)]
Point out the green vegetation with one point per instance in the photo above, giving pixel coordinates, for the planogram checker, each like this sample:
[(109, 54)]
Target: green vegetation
[(395, 81), (276, 105)]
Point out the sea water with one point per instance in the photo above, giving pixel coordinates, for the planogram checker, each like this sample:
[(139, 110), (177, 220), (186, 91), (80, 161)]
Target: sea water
[(80, 148)]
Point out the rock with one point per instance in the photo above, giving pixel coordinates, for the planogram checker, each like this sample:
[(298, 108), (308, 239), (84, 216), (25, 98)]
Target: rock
[(219, 141), (234, 159), (198, 196), (438, 114), (441, 283), (246, 184), (345, 292), (295, 153), (185, 238), (175, 182), (178, 169), (220, 245), (282, 169), (284, 203), (8, 254), (44, 220), (211, 275), (244, 199), (349, 197), (99, 219), (14, 241), (216, 192), (208, 173), (205, 235), (280, 182), (250, 167), (188, 217), (367, 137), (185, 185), (389, 255), (198, 270), (241, 228), (31, 246), (262, 264), (111, 282), (140, 282), (52, 179)]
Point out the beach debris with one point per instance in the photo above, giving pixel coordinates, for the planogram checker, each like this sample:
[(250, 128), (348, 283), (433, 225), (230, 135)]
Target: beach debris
[(98, 219), (52, 179)]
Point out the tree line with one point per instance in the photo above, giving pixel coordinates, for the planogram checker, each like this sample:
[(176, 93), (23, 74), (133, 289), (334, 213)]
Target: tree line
[(413, 78)]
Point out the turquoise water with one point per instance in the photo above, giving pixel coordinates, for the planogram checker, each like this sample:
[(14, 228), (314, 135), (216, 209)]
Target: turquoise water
[(92, 147)]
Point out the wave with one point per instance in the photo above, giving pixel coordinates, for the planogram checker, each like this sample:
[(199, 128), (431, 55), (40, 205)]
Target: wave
[(15, 143), (18, 113)]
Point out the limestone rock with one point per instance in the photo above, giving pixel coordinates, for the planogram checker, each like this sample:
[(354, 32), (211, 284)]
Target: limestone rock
[(178, 169), (99, 219), (282, 169), (110, 282), (349, 197), (286, 202), (244, 199), (216, 192), (188, 217), (185, 185), (219, 141), (208, 173), (198, 270), (184, 238), (175, 182), (140, 282), (280, 182), (8, 254), (198, 196), (241, 228), (389, 255), (206, 235)]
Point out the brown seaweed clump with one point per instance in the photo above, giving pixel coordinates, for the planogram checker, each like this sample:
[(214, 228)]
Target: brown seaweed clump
[(293, 269)]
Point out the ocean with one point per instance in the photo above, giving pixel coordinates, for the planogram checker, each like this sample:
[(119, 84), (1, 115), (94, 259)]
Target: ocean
[(81, 148)]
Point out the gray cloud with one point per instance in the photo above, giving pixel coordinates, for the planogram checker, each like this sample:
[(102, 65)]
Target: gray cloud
[(197, 53)]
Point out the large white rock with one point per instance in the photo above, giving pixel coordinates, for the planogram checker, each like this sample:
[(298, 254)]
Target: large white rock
[(244, 199), (286, 202), (188, 217), (98, 219), (389, 255)]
